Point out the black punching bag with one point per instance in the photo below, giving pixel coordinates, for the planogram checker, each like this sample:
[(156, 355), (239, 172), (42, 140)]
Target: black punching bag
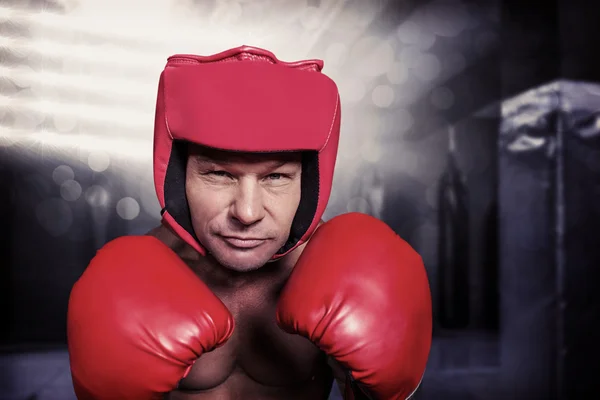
[(453, 250)]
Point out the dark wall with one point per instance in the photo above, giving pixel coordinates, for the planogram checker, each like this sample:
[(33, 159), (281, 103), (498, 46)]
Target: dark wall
[(47, 241), (548, 201), (578, 40)]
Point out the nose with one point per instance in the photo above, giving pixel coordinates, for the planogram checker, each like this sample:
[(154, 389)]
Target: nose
[(248, 207)]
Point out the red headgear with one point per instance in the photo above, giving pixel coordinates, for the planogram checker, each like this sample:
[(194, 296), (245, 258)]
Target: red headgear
[(245, 99)]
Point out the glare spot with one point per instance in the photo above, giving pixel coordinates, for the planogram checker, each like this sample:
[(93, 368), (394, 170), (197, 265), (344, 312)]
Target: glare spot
[(98, 161), (70, 190), (128, 208), (62, 173), (97, 196), (65, 123), (383, 96)]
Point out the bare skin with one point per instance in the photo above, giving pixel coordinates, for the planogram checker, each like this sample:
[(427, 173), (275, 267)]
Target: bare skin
[(260, 361), (247, 196)]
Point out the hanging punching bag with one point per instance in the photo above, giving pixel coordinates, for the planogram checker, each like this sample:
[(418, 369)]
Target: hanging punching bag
[(453, 250)]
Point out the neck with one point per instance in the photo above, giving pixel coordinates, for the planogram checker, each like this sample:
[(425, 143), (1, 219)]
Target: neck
[(210, 270)]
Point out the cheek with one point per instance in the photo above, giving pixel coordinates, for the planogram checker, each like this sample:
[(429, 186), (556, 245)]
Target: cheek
[(203, 204), (286, 206)]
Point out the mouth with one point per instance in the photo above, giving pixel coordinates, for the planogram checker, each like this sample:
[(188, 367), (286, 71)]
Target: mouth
[(243, 242)]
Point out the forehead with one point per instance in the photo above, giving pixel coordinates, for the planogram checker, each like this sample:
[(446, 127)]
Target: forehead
[(202, 153)]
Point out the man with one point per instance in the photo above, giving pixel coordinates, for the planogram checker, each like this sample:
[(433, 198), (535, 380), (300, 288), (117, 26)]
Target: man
[(243, 292)]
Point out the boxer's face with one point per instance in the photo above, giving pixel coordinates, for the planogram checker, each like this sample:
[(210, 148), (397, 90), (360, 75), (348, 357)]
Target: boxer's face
[(242, 204)]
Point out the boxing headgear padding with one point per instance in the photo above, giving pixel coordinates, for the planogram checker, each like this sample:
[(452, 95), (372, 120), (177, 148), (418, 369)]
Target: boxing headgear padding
[(245, 99)]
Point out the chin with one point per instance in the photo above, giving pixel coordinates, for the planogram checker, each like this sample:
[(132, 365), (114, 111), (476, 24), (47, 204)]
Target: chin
[(241, 264), (243, 261)]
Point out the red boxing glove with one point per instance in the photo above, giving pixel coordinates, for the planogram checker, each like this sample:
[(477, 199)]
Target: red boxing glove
[(138, 319), (361, 294)]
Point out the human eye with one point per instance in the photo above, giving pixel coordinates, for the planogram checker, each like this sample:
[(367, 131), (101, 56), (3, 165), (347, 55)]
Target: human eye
[(217, 175), (223, 174), (276, 176), (278, 179)]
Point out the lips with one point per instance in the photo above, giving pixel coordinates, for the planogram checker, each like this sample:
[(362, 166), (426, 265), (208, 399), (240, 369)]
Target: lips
[(243, 243)]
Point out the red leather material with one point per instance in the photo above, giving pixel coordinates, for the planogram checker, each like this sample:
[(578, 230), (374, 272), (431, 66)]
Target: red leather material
[(245, 99), (138, 319), (361, 294), (248, 106), (250, 53)]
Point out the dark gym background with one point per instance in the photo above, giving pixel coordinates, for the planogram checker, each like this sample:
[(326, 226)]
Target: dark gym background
[(471, 127)]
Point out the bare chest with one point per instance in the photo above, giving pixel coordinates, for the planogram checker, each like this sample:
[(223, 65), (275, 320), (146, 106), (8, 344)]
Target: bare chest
[(259, 355)]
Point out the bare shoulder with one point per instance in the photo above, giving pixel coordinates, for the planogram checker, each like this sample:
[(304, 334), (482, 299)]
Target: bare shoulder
[(167, 236), (174, 242)]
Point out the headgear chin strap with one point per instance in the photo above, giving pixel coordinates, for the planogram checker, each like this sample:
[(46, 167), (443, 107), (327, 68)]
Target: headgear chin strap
[(245, 99)]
